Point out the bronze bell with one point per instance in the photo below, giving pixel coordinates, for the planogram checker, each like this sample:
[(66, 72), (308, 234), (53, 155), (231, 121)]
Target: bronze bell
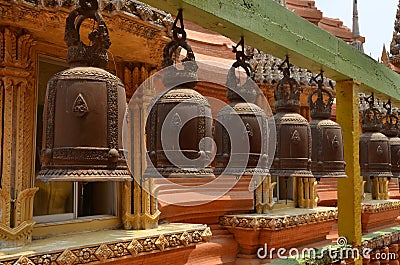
[(180, 114), (293, 140), (391, 130), (84, 110), (375, 158), (327, 157), (241, 127)]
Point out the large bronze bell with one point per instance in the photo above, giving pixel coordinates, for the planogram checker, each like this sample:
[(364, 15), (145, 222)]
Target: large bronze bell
[(84, 110), (327, 158), (375, 158), (179, 119), (391, 130), (241, 127), (293, 140)]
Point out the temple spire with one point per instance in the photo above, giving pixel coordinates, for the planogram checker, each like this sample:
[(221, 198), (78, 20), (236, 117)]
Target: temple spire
[(356, 43), (395, 44)]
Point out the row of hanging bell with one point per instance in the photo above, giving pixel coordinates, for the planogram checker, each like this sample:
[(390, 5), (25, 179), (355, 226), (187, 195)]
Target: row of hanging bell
[(75, 149), (84, 110), (183, 102), (391, 130), (306, 149), (375, 149), (180, 111)]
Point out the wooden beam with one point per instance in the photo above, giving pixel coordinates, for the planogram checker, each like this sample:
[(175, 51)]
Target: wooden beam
[(272, 28)]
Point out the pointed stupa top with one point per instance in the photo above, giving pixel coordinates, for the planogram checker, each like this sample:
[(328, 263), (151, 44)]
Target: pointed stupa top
[(395, 44), (356, 43), (385, 56)]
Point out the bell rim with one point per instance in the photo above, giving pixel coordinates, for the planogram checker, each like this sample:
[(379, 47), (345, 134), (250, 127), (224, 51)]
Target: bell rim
[(331, 174), (242, 172), (296, 173), (377, 174), (154, 172), (83, 175)]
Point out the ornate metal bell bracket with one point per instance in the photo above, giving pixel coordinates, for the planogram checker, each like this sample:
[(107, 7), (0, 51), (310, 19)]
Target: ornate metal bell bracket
[(284, 99), (390, 120), (236, 93), (371, 117), (319, 108), (80, 54), (189, 62)]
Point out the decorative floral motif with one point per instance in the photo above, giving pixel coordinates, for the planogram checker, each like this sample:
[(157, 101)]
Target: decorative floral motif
[(162, 242), (67, 258), (135, 247), (103, 252)]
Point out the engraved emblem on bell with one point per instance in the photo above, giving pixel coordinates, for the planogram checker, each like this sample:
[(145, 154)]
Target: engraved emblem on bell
[(295, 137), (335, 142), (293, 142), (379, 150), (80, 107), (83, 139), (375, 153), (179, 119), (176, 121), (327, 158), (249, 130), (245, 152)]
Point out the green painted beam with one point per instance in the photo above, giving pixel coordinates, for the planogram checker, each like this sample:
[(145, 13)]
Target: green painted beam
[(272, 28)]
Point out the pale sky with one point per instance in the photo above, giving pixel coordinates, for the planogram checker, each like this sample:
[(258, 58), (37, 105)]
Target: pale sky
[(376, 20)]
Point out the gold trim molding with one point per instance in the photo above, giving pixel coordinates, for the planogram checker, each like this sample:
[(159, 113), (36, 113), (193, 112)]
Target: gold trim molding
[(383, 206), (115, 250), (381, 240), (275, 223)]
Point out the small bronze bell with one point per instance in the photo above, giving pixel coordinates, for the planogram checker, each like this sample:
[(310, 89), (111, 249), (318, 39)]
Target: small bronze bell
[(179, 119), (84, 110), (241, 127), (391, 130), (327, 158), (293, 141), (375, 158)]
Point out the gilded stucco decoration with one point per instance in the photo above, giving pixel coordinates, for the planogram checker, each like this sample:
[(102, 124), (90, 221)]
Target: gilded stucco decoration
[(113, 251), (276, 223), (17, 95)]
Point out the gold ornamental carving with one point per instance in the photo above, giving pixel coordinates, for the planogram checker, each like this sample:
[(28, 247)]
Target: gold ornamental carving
[(17, 91), (104, 252), (276, 223)]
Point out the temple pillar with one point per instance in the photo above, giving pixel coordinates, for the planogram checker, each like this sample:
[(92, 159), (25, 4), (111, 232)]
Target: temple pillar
[(307, 193), (350, 188), (140, 209), (17, 110), (264, 194)]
